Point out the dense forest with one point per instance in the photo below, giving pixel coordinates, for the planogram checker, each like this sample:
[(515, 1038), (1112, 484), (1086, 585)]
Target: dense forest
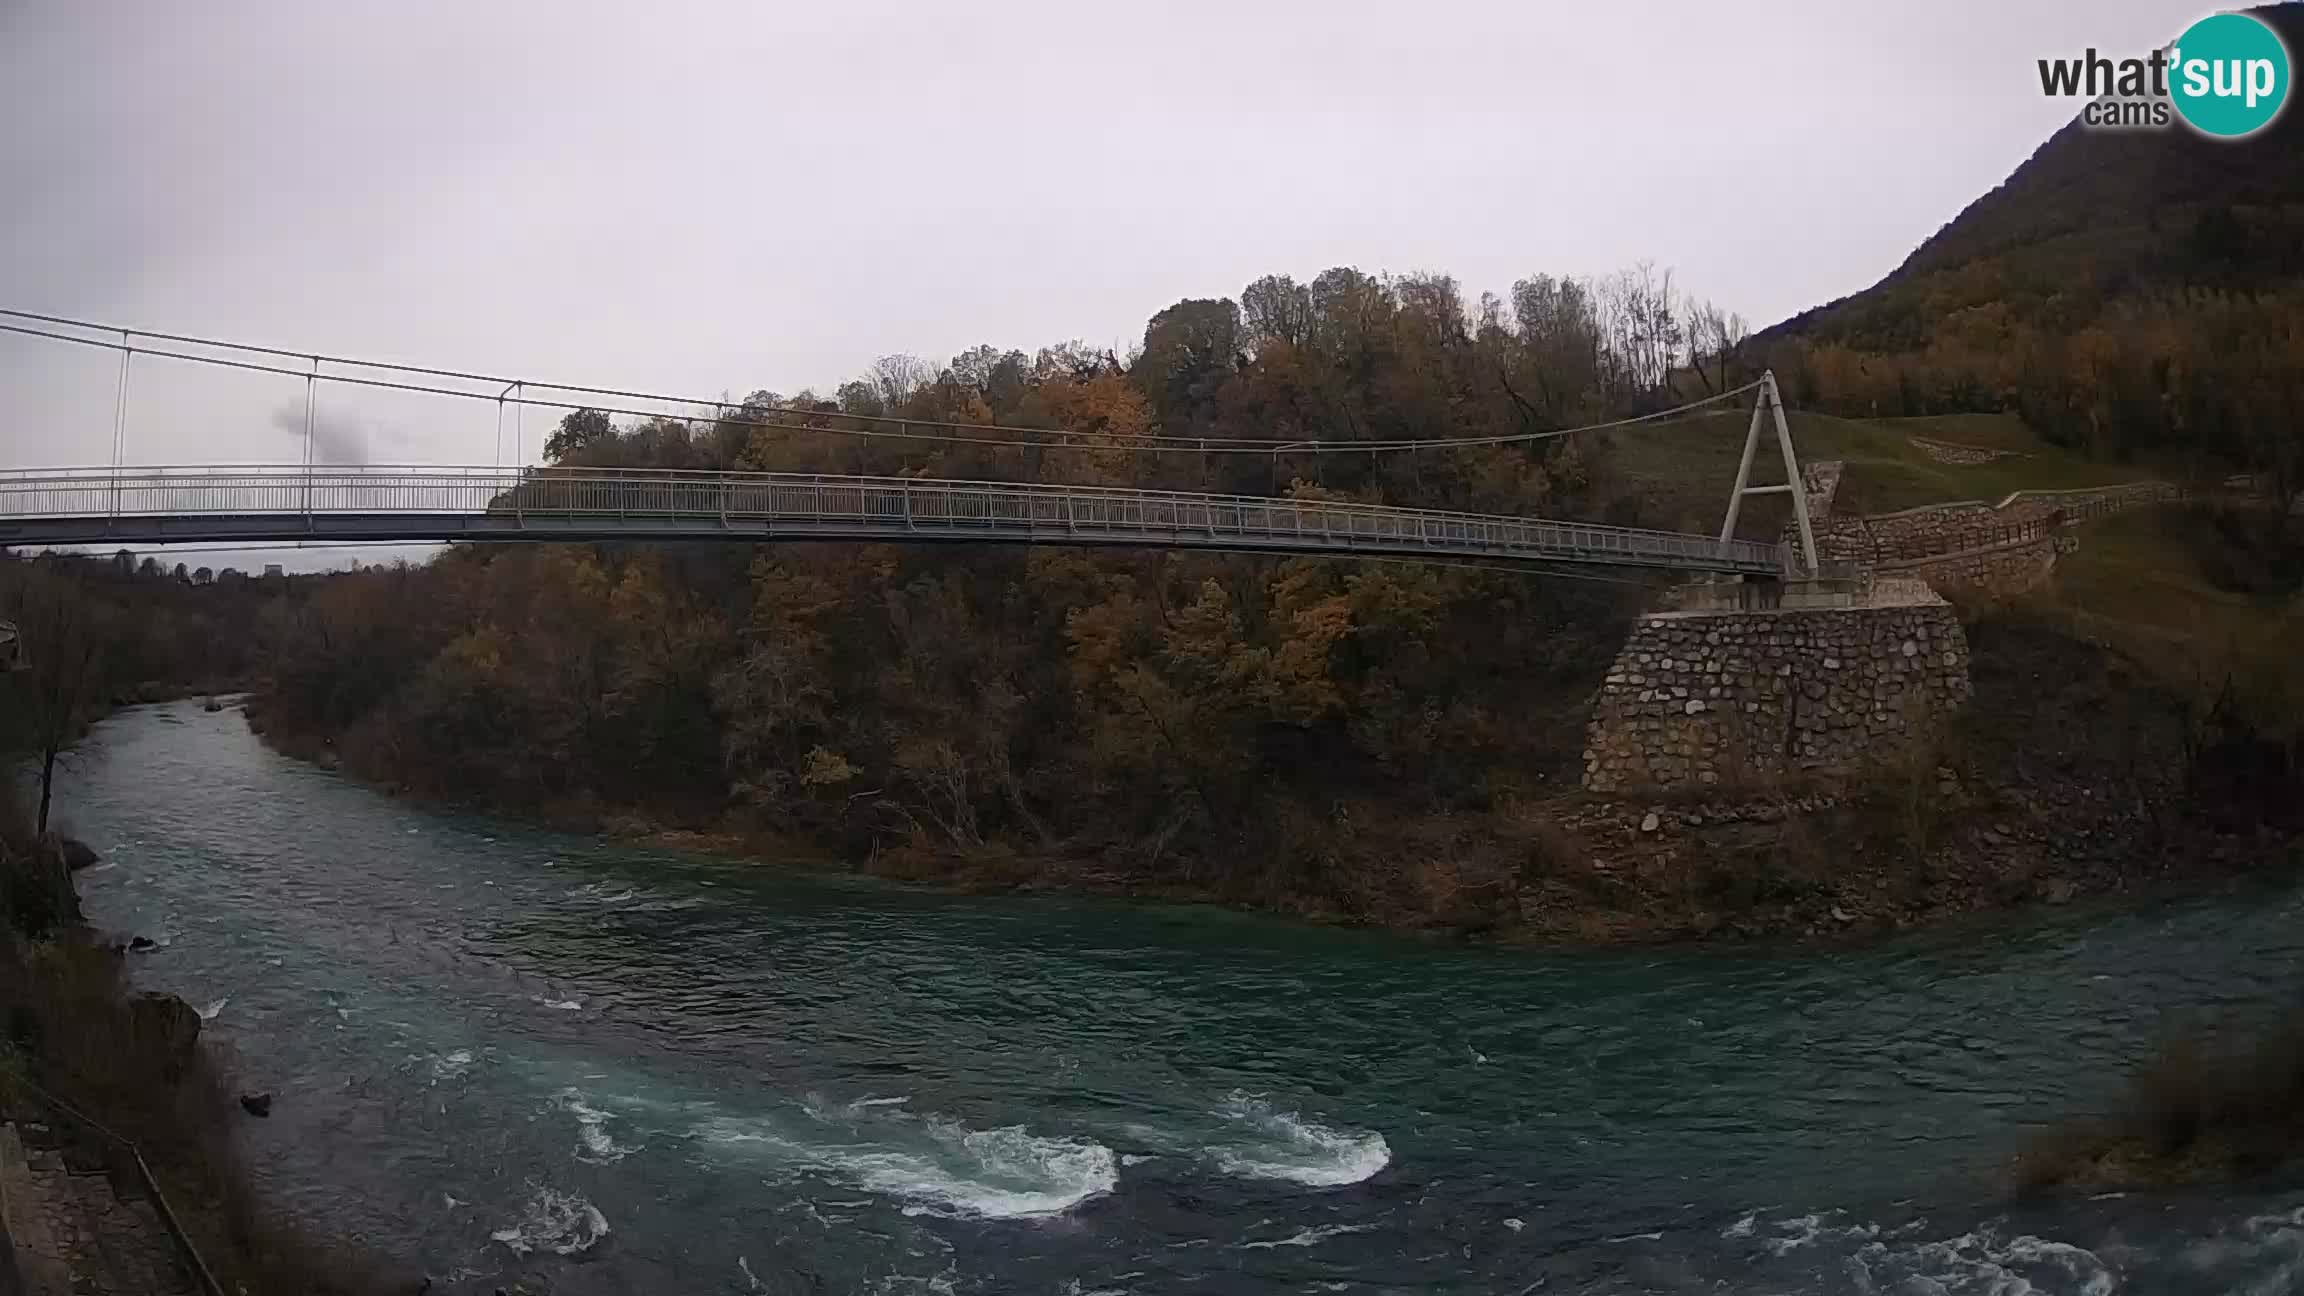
[(2132, 293), (89, 633)]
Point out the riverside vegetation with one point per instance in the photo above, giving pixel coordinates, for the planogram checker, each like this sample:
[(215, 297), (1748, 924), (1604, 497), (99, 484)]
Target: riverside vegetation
[(2206, 1108)]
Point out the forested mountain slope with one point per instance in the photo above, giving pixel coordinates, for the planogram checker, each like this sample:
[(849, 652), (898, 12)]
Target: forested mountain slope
[(2126, 291)]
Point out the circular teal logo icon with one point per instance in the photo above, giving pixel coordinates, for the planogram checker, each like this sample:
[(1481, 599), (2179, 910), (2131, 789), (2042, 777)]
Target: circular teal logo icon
[(2228, 75)]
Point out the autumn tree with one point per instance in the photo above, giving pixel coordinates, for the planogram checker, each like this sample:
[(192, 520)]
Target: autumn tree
[(1276, 309), (1189, 348), (579, 430), (895, 379)]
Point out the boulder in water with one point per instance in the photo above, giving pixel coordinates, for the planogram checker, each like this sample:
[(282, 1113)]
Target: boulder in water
[(212, 706), (256, 1104), (142, 944), (77, 854)]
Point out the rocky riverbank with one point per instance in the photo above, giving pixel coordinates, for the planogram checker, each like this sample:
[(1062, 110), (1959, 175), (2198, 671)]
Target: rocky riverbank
[(90, 1068)]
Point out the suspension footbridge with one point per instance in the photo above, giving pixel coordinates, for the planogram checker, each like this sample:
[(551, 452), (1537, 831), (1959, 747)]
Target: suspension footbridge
[(122, 503), (173, 505)]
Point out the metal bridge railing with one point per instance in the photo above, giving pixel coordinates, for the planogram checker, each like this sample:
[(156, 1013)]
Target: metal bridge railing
[(752, 503)]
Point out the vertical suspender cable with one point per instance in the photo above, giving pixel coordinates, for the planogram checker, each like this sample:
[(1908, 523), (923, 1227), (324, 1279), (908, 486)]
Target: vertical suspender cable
[(311, 383), (120, 421), (520, 450), (498, 462)]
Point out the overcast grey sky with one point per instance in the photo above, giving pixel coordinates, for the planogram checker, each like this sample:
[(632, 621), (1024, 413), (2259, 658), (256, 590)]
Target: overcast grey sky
[(722, 197)]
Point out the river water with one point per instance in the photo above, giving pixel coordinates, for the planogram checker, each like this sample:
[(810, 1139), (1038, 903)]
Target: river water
[(517, 1056)]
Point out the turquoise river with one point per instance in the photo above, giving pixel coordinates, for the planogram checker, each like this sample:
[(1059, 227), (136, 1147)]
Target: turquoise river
[(526, 1060)]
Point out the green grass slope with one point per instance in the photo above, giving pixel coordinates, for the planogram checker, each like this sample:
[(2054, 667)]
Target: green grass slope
[(1678, 473)]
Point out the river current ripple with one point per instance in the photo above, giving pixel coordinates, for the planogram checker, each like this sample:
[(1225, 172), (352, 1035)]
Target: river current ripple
[(510, 1055)]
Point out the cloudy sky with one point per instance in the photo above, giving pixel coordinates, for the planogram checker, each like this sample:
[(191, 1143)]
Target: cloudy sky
[(714, 198)]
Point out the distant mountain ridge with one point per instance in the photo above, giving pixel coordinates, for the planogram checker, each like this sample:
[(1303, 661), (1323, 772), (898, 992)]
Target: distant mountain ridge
[(2114, 208), (2126, 291)]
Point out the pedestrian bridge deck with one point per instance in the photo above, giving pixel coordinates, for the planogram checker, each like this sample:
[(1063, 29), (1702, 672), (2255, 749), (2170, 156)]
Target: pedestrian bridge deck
[(425, 503)]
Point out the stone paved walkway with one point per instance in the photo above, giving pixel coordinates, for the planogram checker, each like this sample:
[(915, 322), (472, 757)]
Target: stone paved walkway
[(75, 1233)]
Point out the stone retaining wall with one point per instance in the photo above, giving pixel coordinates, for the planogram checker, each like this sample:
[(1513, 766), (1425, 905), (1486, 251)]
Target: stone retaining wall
[(1970, 543), (2001, 569), (1943, 528), (1699, 700), (1843, 541), (1953, 528)]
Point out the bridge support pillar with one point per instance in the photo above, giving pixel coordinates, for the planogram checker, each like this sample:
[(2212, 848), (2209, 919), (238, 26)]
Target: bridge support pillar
[(1738, 686)]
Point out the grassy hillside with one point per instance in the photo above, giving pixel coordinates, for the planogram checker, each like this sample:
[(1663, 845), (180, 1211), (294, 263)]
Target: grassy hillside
[(1680, 471), (2157, 585)]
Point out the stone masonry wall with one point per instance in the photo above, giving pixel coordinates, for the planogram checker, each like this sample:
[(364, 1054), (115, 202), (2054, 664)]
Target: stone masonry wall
[(1952, 528), (1843, 541), (2001, 569), (1917, 533), (1969, 544), (1698, 700)]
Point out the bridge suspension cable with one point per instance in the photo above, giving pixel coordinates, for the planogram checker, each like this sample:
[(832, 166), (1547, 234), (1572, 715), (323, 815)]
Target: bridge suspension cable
[(750, 415)]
